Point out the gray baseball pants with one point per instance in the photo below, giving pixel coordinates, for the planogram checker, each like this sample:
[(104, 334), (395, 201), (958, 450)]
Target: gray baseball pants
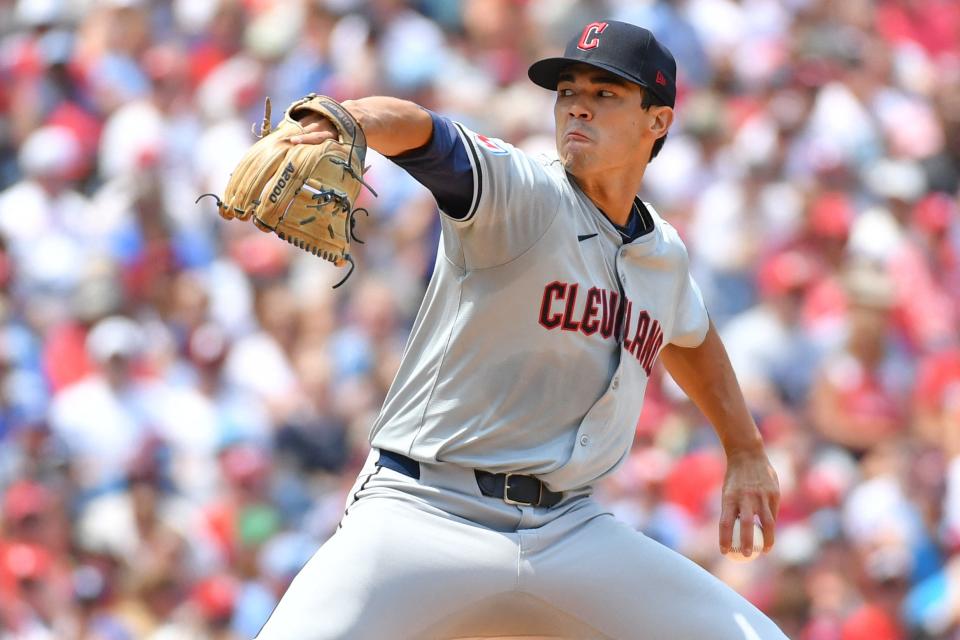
[(435, 559)]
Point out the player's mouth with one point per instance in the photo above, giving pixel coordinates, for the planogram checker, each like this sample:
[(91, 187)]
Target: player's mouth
[(576, 136)]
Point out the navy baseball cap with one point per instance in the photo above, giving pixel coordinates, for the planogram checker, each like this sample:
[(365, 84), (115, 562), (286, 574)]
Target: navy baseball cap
[(626, 50)]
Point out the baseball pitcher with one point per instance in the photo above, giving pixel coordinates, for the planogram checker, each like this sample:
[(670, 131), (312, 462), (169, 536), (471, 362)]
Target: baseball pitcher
[(556, 289)]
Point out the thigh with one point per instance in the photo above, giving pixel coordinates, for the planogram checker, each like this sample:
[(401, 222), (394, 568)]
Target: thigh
[(629, 586), (392, 570)]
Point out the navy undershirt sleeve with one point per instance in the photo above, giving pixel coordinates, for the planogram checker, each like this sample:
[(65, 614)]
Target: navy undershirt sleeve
[(442, 166)]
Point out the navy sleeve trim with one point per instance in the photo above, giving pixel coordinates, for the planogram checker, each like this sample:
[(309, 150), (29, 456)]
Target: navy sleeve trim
[(445, 167), (477, 171)]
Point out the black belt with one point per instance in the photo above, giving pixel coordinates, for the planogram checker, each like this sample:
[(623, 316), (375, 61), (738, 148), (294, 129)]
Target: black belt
[(512, 488)]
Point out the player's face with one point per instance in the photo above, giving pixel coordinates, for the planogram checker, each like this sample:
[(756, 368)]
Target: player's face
[(601, 125)]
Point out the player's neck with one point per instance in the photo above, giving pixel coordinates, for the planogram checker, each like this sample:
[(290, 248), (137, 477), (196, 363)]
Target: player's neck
[(613, 196)]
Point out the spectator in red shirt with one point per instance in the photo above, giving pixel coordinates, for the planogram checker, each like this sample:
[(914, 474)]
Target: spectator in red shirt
[(858, 397), (936, 400)]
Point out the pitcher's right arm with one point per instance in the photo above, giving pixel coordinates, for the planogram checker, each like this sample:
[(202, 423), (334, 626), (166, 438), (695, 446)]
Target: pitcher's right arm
[(392, 125)]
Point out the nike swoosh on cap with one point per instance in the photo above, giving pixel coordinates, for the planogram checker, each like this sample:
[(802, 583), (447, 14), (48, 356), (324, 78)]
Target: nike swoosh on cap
[(586, 236)]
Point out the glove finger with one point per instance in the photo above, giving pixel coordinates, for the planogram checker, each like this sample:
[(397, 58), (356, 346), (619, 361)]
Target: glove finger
[(242, 186), (278, 193), (239, 181), (252, 173), (276, 170)]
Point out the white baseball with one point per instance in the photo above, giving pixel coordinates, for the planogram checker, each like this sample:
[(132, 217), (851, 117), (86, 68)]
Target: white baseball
[(736, 553)]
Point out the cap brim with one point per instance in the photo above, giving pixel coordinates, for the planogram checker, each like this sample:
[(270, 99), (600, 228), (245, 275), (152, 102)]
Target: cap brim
[(546, 73)]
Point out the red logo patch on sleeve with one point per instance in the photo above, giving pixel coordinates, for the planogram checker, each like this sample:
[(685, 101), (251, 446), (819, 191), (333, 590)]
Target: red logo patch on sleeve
[(492, 145)]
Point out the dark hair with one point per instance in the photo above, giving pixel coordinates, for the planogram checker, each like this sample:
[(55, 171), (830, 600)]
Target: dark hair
[(650, 100)]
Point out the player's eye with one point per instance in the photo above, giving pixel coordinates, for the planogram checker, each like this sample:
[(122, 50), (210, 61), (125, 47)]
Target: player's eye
[(606, 94), (566, 93)]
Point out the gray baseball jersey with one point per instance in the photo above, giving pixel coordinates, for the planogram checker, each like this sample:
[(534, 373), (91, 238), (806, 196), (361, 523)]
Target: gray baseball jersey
[(535, 340)]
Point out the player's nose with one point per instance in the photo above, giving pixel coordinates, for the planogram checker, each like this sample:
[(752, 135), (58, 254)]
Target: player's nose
[(579, 110)]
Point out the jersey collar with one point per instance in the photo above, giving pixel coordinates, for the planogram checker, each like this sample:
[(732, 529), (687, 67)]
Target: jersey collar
[(639, 224)]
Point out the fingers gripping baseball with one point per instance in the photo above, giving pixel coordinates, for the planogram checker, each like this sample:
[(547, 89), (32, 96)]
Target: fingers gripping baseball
[(751, 493), (315, 131)]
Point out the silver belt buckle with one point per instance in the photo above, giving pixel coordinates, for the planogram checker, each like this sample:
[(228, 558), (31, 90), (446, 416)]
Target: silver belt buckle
[(521, 503)]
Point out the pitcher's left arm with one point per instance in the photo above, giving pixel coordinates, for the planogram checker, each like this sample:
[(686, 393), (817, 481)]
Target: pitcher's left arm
[(750, 487)]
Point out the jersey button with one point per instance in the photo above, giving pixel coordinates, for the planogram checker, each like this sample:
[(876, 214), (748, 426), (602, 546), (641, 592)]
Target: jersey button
[(616, 383), (584, 440)]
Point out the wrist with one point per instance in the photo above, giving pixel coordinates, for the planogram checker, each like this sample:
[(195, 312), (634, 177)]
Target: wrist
[(354, 110), (751, 446)]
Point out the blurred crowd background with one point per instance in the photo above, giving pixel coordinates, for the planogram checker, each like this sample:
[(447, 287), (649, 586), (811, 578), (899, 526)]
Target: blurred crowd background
[(184, 402)]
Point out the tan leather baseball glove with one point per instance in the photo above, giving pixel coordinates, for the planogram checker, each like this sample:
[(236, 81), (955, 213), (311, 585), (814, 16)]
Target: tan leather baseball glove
[(304, 193)]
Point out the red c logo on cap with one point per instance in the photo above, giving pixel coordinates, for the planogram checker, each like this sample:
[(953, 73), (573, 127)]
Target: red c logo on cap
[(591, 36)]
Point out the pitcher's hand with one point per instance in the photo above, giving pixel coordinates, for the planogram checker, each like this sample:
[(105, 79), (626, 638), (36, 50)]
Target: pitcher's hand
[(750, 488), (316, 129)]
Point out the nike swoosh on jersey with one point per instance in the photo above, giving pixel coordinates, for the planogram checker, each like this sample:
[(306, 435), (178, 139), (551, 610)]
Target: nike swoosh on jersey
[(586, 236)]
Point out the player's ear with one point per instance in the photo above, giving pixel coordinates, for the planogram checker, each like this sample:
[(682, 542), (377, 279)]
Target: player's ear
[(662, 119)]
